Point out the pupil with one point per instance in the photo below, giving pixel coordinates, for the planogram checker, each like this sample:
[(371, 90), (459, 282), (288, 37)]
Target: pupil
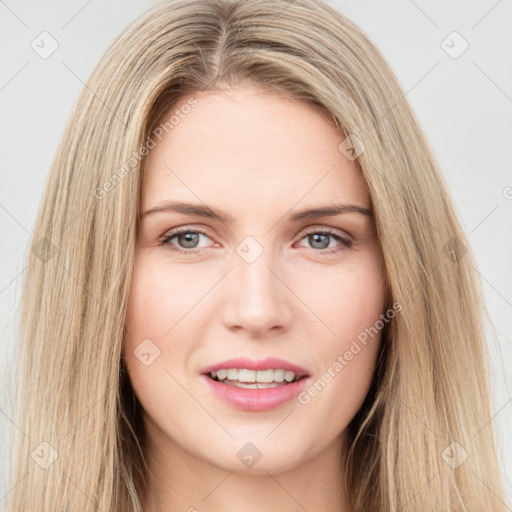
[(189, 244), (315, 238)]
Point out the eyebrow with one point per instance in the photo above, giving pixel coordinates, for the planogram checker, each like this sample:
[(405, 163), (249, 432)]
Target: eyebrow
[(215, 214)]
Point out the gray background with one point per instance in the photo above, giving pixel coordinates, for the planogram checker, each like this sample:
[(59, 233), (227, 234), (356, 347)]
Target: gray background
[(463, 103)]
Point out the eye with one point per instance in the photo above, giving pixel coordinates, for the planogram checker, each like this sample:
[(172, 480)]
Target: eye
[(187, 238), (319, 239)]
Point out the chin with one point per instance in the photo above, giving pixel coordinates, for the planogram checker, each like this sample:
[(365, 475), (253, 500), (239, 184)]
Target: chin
[(255, 455)]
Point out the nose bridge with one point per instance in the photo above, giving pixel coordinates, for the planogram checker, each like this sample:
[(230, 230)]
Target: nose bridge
[(258, 299)]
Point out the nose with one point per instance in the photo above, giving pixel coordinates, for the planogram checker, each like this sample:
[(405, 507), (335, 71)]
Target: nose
[(258, 299)]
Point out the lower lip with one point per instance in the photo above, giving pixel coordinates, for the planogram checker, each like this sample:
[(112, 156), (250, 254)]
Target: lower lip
[(255, 399)]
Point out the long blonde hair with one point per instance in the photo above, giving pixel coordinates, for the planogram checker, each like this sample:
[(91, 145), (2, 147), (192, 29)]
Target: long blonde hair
[(79, 445)]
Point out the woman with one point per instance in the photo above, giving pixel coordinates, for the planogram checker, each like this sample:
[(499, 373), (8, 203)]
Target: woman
[(248, 286)]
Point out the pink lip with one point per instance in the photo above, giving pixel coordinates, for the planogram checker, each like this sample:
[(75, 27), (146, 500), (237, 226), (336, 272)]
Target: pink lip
[(270, 363), (256, 399)]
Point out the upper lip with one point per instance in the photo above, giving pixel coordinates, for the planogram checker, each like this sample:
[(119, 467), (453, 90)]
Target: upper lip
[(270, 363)]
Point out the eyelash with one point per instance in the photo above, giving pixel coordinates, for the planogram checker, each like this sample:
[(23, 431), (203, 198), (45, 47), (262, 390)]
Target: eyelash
[(346, 242)]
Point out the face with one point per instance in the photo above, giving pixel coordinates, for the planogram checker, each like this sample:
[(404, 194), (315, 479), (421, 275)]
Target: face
[(230, 265)]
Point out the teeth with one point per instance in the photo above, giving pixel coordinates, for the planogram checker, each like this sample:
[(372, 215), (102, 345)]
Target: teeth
[(254, 376), (254, 385), (279, 375), (243, 375), (289, 376)]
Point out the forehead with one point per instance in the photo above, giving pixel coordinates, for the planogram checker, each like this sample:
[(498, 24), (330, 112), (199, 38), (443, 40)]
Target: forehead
[(249, 147)]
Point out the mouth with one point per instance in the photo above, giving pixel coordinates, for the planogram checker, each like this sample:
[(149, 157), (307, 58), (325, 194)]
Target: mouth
[(251, 385)]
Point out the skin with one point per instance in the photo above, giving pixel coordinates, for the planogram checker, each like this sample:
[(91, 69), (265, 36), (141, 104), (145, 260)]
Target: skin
[(258, 156)]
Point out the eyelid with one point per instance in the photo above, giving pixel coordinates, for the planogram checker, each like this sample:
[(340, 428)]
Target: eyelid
[(337, 231), (306, 231)]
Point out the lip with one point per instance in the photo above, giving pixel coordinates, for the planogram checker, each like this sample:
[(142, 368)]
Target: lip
[(270, 363), (256, 399)]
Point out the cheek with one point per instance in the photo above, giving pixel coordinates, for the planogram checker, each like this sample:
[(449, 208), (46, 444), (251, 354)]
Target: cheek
[(347, 355), (149, 316), (353, 300), (154, 312), (159, 297), (163, 306)]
